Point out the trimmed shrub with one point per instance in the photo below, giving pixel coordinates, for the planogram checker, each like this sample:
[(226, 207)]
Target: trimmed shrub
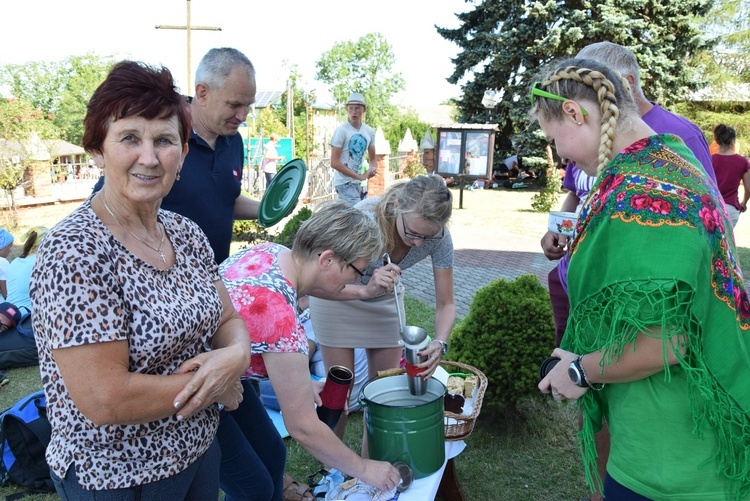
[(250, 232), (286, 237), (507, 334)]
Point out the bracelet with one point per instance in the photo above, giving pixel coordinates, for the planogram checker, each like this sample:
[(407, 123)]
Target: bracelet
[(594, 386)]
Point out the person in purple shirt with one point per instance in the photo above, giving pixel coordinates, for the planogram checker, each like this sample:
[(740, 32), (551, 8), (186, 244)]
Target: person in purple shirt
[(579, 184), (661, 120)]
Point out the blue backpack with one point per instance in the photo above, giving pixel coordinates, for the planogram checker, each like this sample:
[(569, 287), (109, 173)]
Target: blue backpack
[(24, 435)]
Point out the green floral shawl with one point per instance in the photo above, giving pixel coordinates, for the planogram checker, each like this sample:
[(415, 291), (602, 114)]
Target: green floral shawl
[(654, 248)]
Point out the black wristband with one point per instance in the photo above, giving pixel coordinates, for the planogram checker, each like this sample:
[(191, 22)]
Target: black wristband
[(593, 386)]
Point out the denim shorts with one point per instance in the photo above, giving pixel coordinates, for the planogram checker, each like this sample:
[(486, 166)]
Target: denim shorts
[(349, 191)]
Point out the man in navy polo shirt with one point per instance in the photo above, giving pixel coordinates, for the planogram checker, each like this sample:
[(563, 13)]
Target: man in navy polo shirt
[(208, 191), (208, 187)]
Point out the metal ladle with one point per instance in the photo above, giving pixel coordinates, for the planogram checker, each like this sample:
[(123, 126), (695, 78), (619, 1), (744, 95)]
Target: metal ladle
[(410, 334)]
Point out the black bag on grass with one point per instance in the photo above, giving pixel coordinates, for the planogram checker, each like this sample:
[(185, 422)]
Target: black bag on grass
[(24, 435)]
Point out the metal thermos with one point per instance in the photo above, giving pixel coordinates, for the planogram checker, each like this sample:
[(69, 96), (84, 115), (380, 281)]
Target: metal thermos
[(417, 385)]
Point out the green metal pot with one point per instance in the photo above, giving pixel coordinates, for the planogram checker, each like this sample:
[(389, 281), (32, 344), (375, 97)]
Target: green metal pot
[(405, 427)]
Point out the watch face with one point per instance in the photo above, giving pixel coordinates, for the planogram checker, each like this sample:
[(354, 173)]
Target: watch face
[(573, 375)]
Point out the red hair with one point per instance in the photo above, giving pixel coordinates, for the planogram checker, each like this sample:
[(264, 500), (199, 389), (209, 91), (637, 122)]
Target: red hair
[(131, 89)]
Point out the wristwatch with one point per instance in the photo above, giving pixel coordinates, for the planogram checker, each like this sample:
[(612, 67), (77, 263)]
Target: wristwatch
[(444, 345), (578, 377), (576, 374)]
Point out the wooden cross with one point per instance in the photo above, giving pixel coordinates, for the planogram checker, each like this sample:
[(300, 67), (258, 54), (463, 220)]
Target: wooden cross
[(188, 28)]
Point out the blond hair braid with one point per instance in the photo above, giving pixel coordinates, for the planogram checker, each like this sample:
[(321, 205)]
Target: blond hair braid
[(605, 93)]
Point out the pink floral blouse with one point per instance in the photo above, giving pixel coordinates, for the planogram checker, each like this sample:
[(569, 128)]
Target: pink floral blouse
[(266, 301)]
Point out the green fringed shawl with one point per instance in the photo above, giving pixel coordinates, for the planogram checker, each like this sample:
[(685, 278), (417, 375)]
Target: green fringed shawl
[(654, 249)]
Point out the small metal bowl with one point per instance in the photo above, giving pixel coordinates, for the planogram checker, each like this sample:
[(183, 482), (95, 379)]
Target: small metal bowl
[(407, 475)]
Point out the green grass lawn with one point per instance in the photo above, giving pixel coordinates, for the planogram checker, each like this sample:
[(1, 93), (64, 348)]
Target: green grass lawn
[(530, 454)]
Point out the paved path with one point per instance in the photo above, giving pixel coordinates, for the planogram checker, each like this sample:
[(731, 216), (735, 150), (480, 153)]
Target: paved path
[(474, 268), (494, 236)]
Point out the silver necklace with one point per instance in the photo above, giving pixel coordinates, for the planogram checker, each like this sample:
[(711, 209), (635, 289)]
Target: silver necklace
[(155, 249)]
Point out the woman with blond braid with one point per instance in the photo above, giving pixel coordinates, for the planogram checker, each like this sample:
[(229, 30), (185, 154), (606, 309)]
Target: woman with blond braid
[(657, 338)]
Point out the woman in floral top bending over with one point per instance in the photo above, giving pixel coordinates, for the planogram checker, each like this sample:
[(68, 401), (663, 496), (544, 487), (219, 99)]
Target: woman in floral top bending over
[(264, 282)]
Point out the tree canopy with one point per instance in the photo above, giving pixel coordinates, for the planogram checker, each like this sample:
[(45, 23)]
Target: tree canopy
[(24, 127), (364, 66), (505, 44), (729, 22), (60, 89)]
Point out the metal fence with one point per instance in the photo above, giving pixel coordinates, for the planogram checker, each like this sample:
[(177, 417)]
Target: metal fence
[(320, 182), (319, 185), (252, 181)]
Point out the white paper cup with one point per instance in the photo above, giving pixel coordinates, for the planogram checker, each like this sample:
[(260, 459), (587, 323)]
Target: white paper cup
[(562, 223)]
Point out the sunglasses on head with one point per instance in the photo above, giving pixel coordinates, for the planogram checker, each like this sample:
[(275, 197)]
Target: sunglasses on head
[(536, 91)]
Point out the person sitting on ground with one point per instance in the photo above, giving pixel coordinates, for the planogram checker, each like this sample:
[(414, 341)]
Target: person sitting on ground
[(10, 315), (17, 347), (6, 245), (264, 282), (19, 270), (138, 342), (508, 168)]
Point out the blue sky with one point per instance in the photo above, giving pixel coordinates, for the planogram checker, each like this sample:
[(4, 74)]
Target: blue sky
[(270, 33)]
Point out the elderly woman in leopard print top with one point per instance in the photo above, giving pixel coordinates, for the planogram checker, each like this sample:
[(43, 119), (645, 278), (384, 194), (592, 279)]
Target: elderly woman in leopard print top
[(139, 343)]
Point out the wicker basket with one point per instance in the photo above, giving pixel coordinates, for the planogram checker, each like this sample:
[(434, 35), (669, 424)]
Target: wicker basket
[(459, 426)]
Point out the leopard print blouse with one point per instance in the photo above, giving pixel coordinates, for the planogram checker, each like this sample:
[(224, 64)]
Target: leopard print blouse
[(87, 288)]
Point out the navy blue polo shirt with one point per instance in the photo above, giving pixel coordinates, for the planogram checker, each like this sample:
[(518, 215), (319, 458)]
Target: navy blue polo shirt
[(208, 188)]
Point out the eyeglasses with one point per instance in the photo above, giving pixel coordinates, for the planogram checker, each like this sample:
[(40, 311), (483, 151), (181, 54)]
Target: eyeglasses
[(359, 272), (415, 236), (536, 91)]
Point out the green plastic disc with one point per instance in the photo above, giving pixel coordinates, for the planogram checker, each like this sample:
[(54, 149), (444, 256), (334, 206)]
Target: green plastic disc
[(282, 193)]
